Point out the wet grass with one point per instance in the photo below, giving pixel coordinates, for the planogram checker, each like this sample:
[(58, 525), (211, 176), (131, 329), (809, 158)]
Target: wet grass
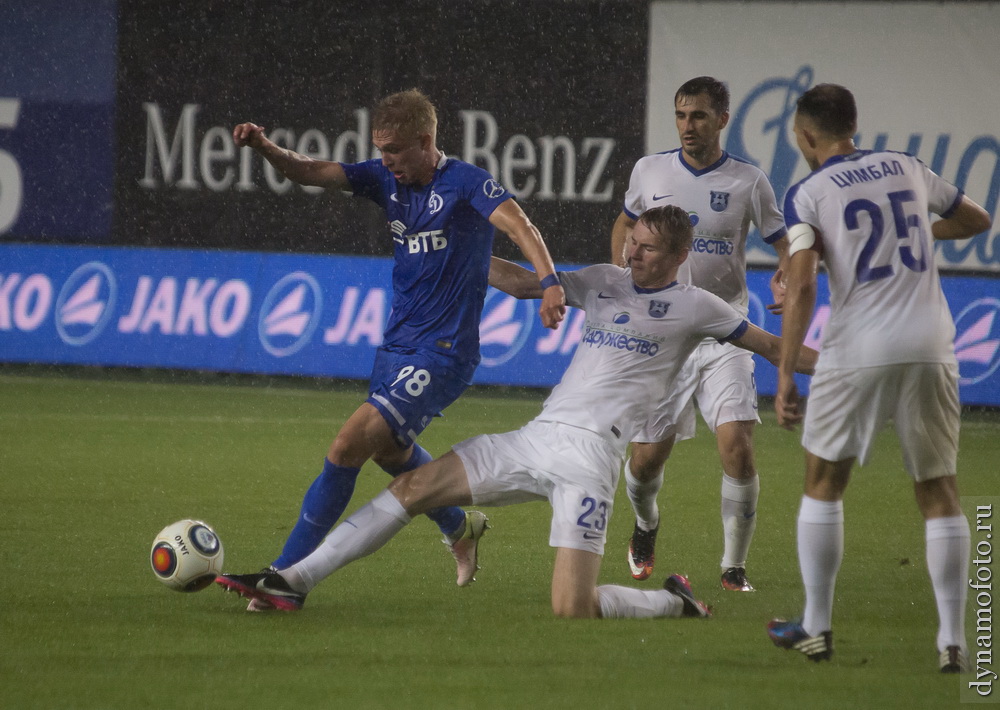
[(93, 464)]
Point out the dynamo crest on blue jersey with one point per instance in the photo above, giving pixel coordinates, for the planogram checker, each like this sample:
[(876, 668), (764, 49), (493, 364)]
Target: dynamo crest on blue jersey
[(435, 203)]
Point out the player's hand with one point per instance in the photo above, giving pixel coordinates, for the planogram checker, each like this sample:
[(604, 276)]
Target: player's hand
[(778, 287), (248, 134), (553, 308), (787, 404)]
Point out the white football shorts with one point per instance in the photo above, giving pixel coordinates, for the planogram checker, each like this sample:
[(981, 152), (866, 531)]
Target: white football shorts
[(846, 409), (721, 377), (574, 469)]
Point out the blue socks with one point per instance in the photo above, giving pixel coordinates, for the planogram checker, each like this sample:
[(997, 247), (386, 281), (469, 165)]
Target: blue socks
[(448, 519), (329, 495), (322, 506)]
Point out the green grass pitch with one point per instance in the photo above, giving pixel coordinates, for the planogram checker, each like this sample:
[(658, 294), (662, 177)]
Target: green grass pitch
[(92, 466)]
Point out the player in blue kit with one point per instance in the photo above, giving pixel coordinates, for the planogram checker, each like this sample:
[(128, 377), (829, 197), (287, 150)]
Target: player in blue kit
[(441, 214), (887, 353)]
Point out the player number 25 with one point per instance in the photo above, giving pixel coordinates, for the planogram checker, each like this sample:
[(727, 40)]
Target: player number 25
[(903, 223)]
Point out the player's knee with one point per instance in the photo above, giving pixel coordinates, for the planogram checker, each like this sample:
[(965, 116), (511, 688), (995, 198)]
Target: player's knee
[(575, 609), (407, 492), (349, 451), (938, 497), (647, 461), (740, 467), (575, 603), (736, 451), (391, 459)]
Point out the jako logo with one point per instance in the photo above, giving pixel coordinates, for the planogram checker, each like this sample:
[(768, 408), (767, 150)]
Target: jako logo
[(86, 303), (977, 342), (290, 314), (505, 327)]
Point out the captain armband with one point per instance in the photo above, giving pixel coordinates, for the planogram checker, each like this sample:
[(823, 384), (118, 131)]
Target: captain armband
[(801, 236)]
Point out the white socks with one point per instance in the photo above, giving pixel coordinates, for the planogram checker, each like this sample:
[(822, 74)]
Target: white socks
[(821, 548), (365, 531), (739, 518), (643, 497), (629, 603), (948, 548)]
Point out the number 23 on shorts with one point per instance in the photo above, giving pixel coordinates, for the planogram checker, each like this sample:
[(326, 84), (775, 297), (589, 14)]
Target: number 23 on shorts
[(594, 516)]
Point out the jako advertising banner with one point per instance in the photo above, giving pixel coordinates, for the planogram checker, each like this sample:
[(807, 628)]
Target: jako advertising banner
[(324, 316)]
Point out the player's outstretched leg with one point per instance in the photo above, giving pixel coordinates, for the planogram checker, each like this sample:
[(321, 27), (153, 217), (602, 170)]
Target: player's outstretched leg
[(464, 546), (266, 586), (791, 636), (322, 507), (674, 600), (678, 584), (451, 520), (259, 605)]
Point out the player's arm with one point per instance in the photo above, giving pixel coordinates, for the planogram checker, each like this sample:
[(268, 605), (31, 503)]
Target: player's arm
[(619, 237), (800, 300), (967, 220), (513, 279), (510, 219), (768, 346), (778, 285), (294, 166)]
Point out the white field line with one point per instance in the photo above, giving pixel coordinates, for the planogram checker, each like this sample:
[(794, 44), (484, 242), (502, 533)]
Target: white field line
[(164, 418)]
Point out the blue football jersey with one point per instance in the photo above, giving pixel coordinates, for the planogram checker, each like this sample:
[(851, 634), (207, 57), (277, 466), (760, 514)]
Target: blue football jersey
[(443, 242)]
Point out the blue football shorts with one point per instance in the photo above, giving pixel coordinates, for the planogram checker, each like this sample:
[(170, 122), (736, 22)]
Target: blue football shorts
[(410, 386)]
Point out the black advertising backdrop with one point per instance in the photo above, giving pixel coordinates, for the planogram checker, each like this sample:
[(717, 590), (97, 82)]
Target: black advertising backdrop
[(550, 96)]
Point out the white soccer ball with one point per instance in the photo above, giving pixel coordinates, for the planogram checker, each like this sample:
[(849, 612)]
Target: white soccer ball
[(187, 555)]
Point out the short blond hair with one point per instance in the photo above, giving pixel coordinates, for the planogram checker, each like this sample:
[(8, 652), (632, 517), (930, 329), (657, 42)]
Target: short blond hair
[(407, 113), (672, 225)]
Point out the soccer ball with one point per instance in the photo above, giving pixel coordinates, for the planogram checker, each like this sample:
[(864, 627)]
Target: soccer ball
[(187, 555)]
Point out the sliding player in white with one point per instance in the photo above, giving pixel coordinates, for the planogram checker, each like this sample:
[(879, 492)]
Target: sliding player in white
[(641, 326), (887, 354), (724, 195)]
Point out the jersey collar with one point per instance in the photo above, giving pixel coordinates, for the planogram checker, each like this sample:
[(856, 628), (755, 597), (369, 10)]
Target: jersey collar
[(640, 289), (703, 171), (844, 157)]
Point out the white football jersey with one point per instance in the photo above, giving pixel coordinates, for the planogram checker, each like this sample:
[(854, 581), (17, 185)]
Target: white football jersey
[(634, 343), (871, 212), (723, 200)]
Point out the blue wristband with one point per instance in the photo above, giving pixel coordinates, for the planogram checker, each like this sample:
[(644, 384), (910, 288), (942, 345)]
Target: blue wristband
[(550, 280)]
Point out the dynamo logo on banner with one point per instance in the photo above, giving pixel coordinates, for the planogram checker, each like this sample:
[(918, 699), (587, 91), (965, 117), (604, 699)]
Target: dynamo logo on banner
[(977, 340), (86, 303), (290, 314), (504, 328)]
